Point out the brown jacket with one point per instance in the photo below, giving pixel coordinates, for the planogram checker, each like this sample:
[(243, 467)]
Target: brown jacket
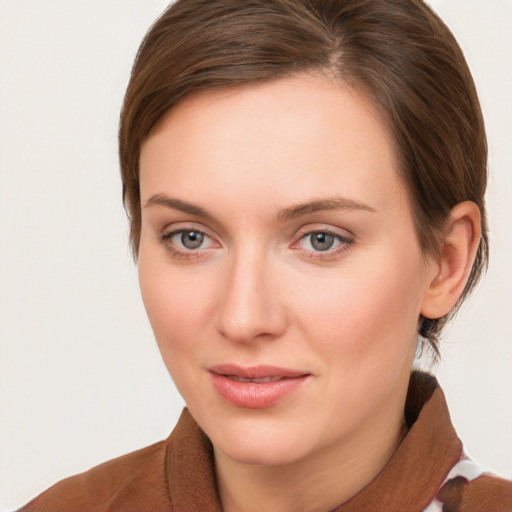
[(177, 475)]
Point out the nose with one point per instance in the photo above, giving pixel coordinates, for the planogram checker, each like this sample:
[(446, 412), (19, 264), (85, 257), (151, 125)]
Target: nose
[(249, 306)]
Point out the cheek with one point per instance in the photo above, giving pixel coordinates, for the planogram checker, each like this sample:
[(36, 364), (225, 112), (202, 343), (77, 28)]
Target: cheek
[(176, 305), (371, 307)]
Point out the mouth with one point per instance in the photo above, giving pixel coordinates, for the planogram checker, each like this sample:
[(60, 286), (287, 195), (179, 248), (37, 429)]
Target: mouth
[(256, 387), (237, 378)]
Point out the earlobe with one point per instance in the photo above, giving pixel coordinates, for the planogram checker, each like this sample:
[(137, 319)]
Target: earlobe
[(453, 265)]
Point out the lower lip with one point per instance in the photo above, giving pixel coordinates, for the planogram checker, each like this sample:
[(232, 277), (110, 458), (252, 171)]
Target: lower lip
[(252, 395)]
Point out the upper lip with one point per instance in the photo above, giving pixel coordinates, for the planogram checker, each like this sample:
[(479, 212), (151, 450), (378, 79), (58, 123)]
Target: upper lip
[(256, 372)]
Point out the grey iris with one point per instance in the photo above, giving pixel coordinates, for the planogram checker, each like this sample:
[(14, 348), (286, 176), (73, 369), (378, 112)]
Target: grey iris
[(321, 241), (192, 239)]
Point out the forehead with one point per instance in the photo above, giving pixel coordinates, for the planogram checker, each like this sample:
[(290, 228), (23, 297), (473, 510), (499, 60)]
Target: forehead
[(286, 141)]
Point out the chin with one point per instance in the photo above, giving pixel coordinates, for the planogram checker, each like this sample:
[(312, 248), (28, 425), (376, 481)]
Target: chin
[(257, 443), (261, 454)]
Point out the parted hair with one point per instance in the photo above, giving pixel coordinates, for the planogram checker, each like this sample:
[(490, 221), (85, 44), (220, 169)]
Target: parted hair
[(398, 52)]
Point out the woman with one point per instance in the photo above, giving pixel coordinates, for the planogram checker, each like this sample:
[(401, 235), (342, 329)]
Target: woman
[(305, 185)]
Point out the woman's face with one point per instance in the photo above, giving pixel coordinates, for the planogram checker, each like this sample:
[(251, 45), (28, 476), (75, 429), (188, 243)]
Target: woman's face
[(280, 268)]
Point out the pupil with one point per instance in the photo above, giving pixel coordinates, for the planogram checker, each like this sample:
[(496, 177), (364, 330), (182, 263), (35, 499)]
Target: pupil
[(322, 241), (191, 239)]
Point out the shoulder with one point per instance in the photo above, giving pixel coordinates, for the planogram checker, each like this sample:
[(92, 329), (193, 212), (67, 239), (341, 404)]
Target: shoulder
[(469, 488), (488, 493), (135, 481)]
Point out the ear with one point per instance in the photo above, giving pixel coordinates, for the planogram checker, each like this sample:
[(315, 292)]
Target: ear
[(457, 253)]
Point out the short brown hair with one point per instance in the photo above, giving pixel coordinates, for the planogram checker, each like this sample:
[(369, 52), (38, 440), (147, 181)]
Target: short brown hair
[(398, 51)]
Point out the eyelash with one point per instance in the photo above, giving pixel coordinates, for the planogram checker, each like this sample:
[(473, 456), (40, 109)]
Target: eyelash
[(166, 240), (344, 244)]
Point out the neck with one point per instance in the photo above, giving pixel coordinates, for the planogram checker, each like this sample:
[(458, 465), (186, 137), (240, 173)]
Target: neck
[(318, 483)]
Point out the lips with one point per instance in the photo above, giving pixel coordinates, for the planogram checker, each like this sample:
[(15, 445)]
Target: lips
[(257, 381), (255, 387)]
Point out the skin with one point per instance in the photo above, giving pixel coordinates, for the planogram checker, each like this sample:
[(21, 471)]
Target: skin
[(257, 291)]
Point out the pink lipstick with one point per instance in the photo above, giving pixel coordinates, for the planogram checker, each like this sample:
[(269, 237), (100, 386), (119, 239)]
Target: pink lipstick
[(255, 387)]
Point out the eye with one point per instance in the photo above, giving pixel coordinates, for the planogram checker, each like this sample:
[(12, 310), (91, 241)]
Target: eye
[(190, 239), (184, 241), (323, 243)]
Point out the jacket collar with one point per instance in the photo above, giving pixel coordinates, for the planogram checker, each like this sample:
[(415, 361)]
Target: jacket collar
[(409, 481)]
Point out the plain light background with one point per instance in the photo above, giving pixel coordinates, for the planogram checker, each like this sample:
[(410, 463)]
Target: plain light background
[(81, 380)]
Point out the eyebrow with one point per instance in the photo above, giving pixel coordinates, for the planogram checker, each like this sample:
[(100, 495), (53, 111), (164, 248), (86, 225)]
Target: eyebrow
[(333, 203), (176, 204)]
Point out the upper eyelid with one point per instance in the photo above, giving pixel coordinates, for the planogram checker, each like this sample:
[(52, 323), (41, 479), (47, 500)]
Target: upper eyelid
[(187, 226), (166, 240), (344, 240), (168, 232), (341, 238), (324, 228), (173, 232), (162, 220), (326, 231)]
